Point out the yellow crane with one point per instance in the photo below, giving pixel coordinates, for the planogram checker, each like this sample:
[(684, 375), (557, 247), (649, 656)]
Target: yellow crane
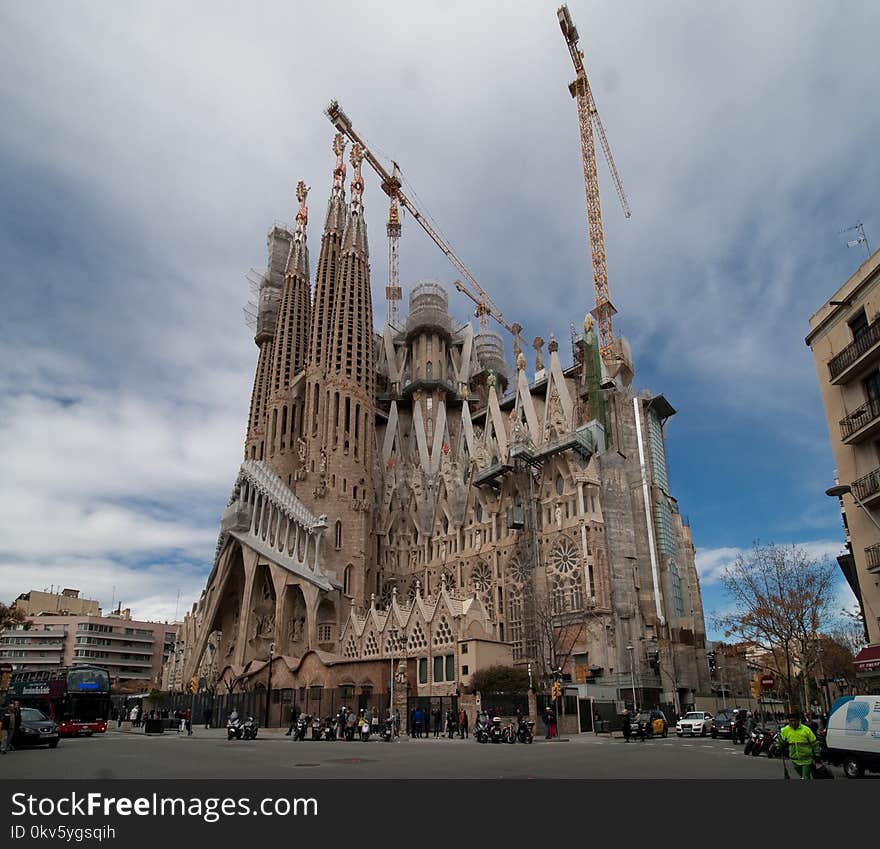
[(391, 185), (588, 115)]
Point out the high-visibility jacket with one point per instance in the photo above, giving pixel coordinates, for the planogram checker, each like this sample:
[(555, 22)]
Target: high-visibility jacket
[(801, 743)]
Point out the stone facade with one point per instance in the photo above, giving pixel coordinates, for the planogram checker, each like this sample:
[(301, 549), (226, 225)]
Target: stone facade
[(402, 494)]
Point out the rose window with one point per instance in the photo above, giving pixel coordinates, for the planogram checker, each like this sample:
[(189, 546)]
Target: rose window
[(481, 578), (565, 557)]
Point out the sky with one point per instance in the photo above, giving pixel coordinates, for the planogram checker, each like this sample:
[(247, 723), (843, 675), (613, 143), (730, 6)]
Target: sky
[(146, 149)]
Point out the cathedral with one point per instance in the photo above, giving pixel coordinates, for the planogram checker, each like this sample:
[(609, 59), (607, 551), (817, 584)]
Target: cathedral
[(411, 508)]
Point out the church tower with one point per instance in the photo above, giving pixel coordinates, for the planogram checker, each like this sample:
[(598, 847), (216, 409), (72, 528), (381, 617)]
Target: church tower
[(286, 393), (279, 244), (350, 385), (315, 423)]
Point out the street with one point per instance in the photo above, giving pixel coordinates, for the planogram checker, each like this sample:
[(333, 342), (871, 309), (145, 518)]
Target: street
[(208, 754)]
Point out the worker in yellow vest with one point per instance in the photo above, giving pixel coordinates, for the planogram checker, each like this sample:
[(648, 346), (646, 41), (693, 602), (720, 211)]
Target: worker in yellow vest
[(801, 744)]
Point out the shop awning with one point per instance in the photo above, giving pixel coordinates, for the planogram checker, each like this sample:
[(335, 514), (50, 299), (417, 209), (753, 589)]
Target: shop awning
[(867, 661)]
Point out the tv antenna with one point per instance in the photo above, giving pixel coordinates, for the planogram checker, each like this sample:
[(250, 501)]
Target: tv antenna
[(862, 239)]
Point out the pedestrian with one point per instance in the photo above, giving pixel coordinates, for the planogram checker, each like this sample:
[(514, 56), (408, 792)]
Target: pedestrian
[(550, 722), (463, 723), (6, 721), (626, 729), (800, 742), (188, 717), (450, 723), (396, 723), (209, 715), (120, 715), (416, 724), (437, 720), (643, 721)]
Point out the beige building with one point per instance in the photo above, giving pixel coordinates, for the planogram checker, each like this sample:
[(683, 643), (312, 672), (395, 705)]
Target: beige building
[(130, 650), (405, 494), (68, 602), (845, 339)]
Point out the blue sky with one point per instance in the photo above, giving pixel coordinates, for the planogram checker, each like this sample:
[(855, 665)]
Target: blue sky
[(145, 151)]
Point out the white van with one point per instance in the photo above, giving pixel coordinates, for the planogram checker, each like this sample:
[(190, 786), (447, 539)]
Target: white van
[(853, 736)]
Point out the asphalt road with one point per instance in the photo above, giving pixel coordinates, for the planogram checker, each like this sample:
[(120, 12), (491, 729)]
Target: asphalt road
[(207, 754)]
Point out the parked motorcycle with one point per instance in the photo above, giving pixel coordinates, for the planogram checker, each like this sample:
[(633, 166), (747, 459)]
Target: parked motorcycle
[(525, 733), (481, 728), (317, 728), (388, 730), (496, 732), (302, 725), (350, 726), (239, 729), (329, 729), (509, 734), (763, 742)]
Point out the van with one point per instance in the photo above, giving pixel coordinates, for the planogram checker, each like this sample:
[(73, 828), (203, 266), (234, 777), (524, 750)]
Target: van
[(853, 736)]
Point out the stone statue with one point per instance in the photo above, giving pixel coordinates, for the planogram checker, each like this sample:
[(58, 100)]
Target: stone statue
[(520, 362), (301, 449), (323, 461), (538, 345), (558, 515)]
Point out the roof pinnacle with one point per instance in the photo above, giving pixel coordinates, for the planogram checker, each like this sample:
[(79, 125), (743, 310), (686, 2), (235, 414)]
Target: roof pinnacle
[(302, 216), (339, 170), (357, 183)]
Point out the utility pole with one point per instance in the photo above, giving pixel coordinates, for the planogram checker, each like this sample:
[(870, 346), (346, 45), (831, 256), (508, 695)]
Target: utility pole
[(269, 686)]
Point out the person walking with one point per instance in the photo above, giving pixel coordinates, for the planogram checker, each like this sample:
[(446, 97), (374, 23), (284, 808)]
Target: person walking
[(463, 724), (450, 723), (417, 723), (437, 720), (626, 729), (209, 714), (550, 722), (800, 741), (188, 720), (6, 721)]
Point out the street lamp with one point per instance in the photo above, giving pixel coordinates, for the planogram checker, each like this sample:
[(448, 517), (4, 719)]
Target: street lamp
[(842, 489), (632, 673)]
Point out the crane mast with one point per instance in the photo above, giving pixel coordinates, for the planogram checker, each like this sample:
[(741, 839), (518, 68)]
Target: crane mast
[(587, 115), (393, 292), (391, 185)]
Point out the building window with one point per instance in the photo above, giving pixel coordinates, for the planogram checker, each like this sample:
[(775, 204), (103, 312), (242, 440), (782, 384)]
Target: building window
[(338, 539), (325, 633), (423, 670), (346, 580), (464, 670), (464, 648), (438, 668), (450, 667)]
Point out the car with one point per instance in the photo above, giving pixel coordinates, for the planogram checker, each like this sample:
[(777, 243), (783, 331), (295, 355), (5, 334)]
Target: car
[(694, 722), (654, 722), (36, 729), (726, 721)]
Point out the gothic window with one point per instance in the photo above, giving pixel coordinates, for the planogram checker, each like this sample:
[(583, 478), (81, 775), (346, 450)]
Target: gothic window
[(346, 579), (514, 622), (429, 373), (351, 647), (519, 571), (566, 577), (560, 485), (325, 633), (443, 636), (449, 577), (557, 595), (564, 558), (481, 578), (417, 639), (371, 647), (338, 535)]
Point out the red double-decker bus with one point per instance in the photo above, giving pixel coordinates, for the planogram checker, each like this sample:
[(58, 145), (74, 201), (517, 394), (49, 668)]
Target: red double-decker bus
[(76, 697)]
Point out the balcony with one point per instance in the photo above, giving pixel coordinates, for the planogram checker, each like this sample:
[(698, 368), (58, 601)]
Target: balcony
[(857, 357), (861, 424), (867, 488), (872, 557)]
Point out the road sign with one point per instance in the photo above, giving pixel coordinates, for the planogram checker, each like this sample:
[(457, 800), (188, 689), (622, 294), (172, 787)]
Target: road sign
[(768, 682)]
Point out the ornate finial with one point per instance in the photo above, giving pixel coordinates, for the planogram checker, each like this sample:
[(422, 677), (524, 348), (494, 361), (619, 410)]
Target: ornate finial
[(538, 345), (520, 361), (443, 581), (418, 587), (393, 593), (302, 217), (357, 183), (491, 380), (372, 600), (516, 327), (464, 392), (339, 170), (588, 324), (553, 346)]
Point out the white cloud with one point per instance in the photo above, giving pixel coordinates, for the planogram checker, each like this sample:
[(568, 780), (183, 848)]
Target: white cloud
[(711, 562)]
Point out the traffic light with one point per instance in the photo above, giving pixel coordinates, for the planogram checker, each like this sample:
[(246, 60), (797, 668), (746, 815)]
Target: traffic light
[(710, 657), (194, 685), (556, 691), (756, 687)]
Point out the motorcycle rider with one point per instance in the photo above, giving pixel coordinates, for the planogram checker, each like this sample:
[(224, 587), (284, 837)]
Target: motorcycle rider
[(294, 715)]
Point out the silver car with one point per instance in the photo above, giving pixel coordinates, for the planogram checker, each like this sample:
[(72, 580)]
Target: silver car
[(693, 723)]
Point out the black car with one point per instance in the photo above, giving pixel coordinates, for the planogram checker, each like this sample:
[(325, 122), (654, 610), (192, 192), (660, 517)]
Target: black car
[(653, 721), (36, 729), (727, 721)]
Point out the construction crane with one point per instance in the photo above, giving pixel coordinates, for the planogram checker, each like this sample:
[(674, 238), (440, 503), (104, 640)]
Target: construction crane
[(391, 185), (393, 291), (588, 115)]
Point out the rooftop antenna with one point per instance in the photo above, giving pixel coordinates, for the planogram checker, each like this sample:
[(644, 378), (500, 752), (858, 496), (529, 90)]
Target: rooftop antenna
[(862, 239), (113, 597), (177, 606)]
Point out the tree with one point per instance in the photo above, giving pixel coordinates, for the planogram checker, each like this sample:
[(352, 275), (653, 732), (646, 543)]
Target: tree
[(782, 598), (10, 616), (500, 679)]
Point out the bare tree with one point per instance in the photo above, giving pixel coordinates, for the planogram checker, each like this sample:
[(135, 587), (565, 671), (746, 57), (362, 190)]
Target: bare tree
[(10, 616), (782, 598), (558, 632)]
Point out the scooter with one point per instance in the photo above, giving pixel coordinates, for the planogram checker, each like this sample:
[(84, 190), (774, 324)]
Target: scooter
[(481, 729), (350, 727), (763, 742), (316, 729), (234, 730), (496, 732), (329, 729), (387, 733), (249, 729), (364, 731)]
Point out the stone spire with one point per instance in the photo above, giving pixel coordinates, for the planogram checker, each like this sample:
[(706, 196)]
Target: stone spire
[(279, 246)]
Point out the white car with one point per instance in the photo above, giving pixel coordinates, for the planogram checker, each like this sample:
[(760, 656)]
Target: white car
[(693, 723)]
